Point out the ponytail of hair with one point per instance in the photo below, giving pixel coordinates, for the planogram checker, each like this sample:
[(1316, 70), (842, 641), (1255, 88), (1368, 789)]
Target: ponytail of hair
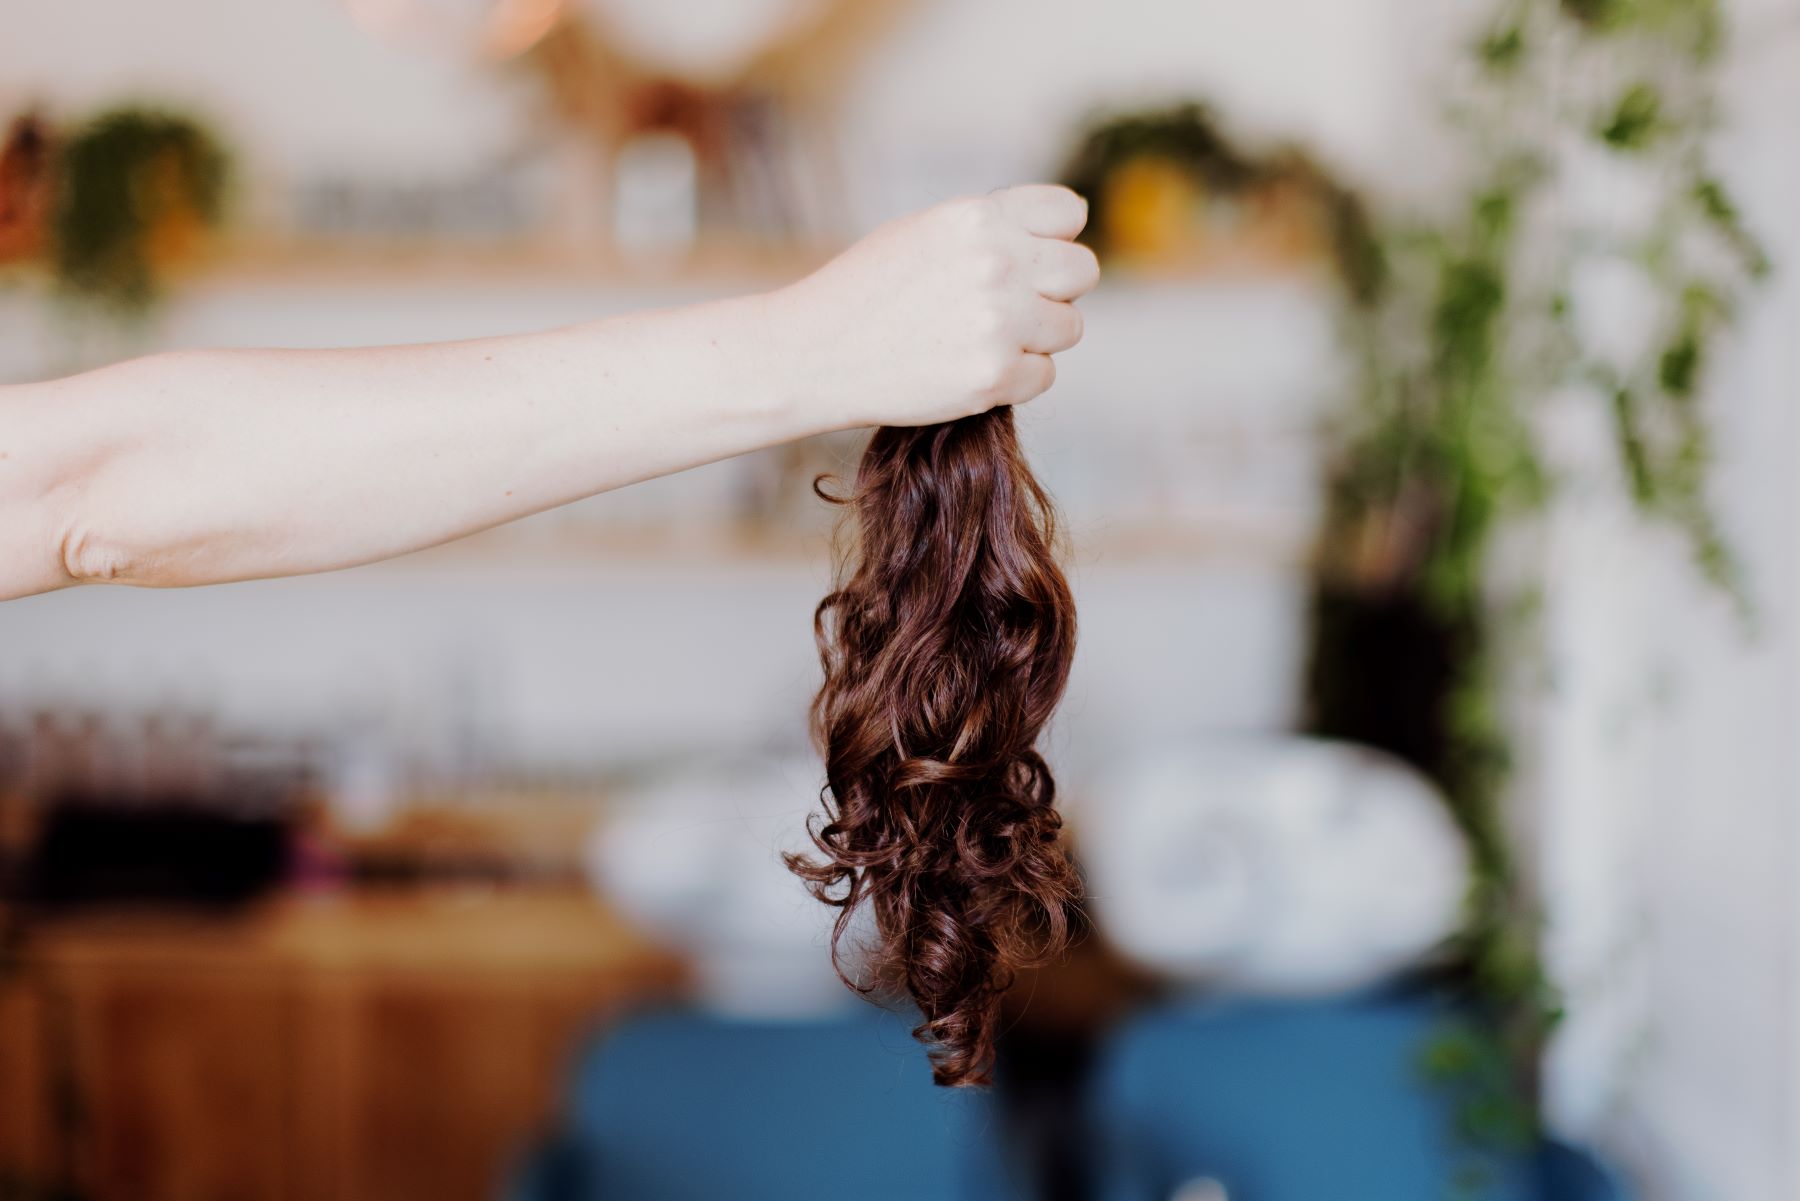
[(946, 647)]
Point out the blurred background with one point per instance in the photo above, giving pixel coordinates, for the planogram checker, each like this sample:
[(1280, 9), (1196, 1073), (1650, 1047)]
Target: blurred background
[(1427, 465)]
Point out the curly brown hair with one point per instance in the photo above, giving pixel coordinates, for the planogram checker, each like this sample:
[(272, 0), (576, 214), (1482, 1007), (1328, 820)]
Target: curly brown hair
[(946, 648)]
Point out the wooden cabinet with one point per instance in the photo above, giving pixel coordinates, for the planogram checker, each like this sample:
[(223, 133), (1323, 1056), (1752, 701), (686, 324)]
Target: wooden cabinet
[(360, 1048)]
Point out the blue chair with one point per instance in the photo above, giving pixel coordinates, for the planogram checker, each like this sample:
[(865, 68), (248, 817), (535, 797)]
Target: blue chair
[(685, 1106), (1301, 1101)]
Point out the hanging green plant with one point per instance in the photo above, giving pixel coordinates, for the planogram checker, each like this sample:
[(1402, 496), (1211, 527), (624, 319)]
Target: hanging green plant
[(1482, 323), (1167, 186), (137, 190), (1463, 326)]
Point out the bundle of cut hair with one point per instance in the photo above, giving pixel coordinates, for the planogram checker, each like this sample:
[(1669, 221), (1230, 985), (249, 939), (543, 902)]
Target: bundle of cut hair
[(946, 647)]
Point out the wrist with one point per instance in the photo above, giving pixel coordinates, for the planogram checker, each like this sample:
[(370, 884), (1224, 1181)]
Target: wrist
[(813, 383)]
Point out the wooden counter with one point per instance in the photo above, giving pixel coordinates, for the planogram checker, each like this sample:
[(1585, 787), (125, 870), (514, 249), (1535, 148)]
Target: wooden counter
[(364, 1047)]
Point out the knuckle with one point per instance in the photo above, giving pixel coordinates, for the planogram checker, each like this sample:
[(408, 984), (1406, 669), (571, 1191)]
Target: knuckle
[(1076, 325), (989, 377), (991, 267), (1088, 266), (988, 323), (1065, 205), (1033, 378), (973, 215)]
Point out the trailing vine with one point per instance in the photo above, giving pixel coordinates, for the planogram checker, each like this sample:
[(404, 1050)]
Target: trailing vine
[(1464, 329), (1486, 318)]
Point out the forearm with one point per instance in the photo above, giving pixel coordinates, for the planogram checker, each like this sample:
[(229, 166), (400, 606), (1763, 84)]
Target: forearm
[(224, 465), (198, 467)]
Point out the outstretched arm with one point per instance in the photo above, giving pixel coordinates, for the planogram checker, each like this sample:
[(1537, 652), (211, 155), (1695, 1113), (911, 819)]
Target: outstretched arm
[(196, 467)]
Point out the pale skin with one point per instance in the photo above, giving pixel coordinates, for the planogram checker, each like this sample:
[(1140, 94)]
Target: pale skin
[(206, 466)]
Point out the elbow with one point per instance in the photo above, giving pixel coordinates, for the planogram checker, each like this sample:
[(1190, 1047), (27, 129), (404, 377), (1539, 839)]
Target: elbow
[(89, 558), (87, 551), (59, 479), (54, 545)]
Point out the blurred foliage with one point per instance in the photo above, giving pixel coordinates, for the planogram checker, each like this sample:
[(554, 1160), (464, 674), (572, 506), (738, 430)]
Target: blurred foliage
[(1481, 324), (136, 189), (1466, 327), (1188, 134), (1189, 137)]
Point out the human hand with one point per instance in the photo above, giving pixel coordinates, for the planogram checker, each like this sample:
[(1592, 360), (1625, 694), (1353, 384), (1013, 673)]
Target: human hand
[(946, 312)]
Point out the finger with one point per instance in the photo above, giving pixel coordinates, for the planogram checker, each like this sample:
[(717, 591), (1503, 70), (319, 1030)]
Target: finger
[(1046, 210), (1054, 327), (1030, 377), (1063, 270)]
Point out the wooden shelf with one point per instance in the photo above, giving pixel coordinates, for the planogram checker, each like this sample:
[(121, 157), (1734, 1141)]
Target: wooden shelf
[(263, 260), (583, 547), (355, 262)]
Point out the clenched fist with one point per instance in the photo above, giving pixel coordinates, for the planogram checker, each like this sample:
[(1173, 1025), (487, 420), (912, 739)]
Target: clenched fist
[(949, 311)]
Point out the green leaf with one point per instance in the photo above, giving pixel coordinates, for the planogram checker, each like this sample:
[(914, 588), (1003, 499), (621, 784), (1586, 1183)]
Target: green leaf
[(1454, 1054), (1499, 1120), (1678, 370), (1636, 119), (1721, 211), (1493, 212), (1502, 49), (1595, 14), (1633, 452)]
